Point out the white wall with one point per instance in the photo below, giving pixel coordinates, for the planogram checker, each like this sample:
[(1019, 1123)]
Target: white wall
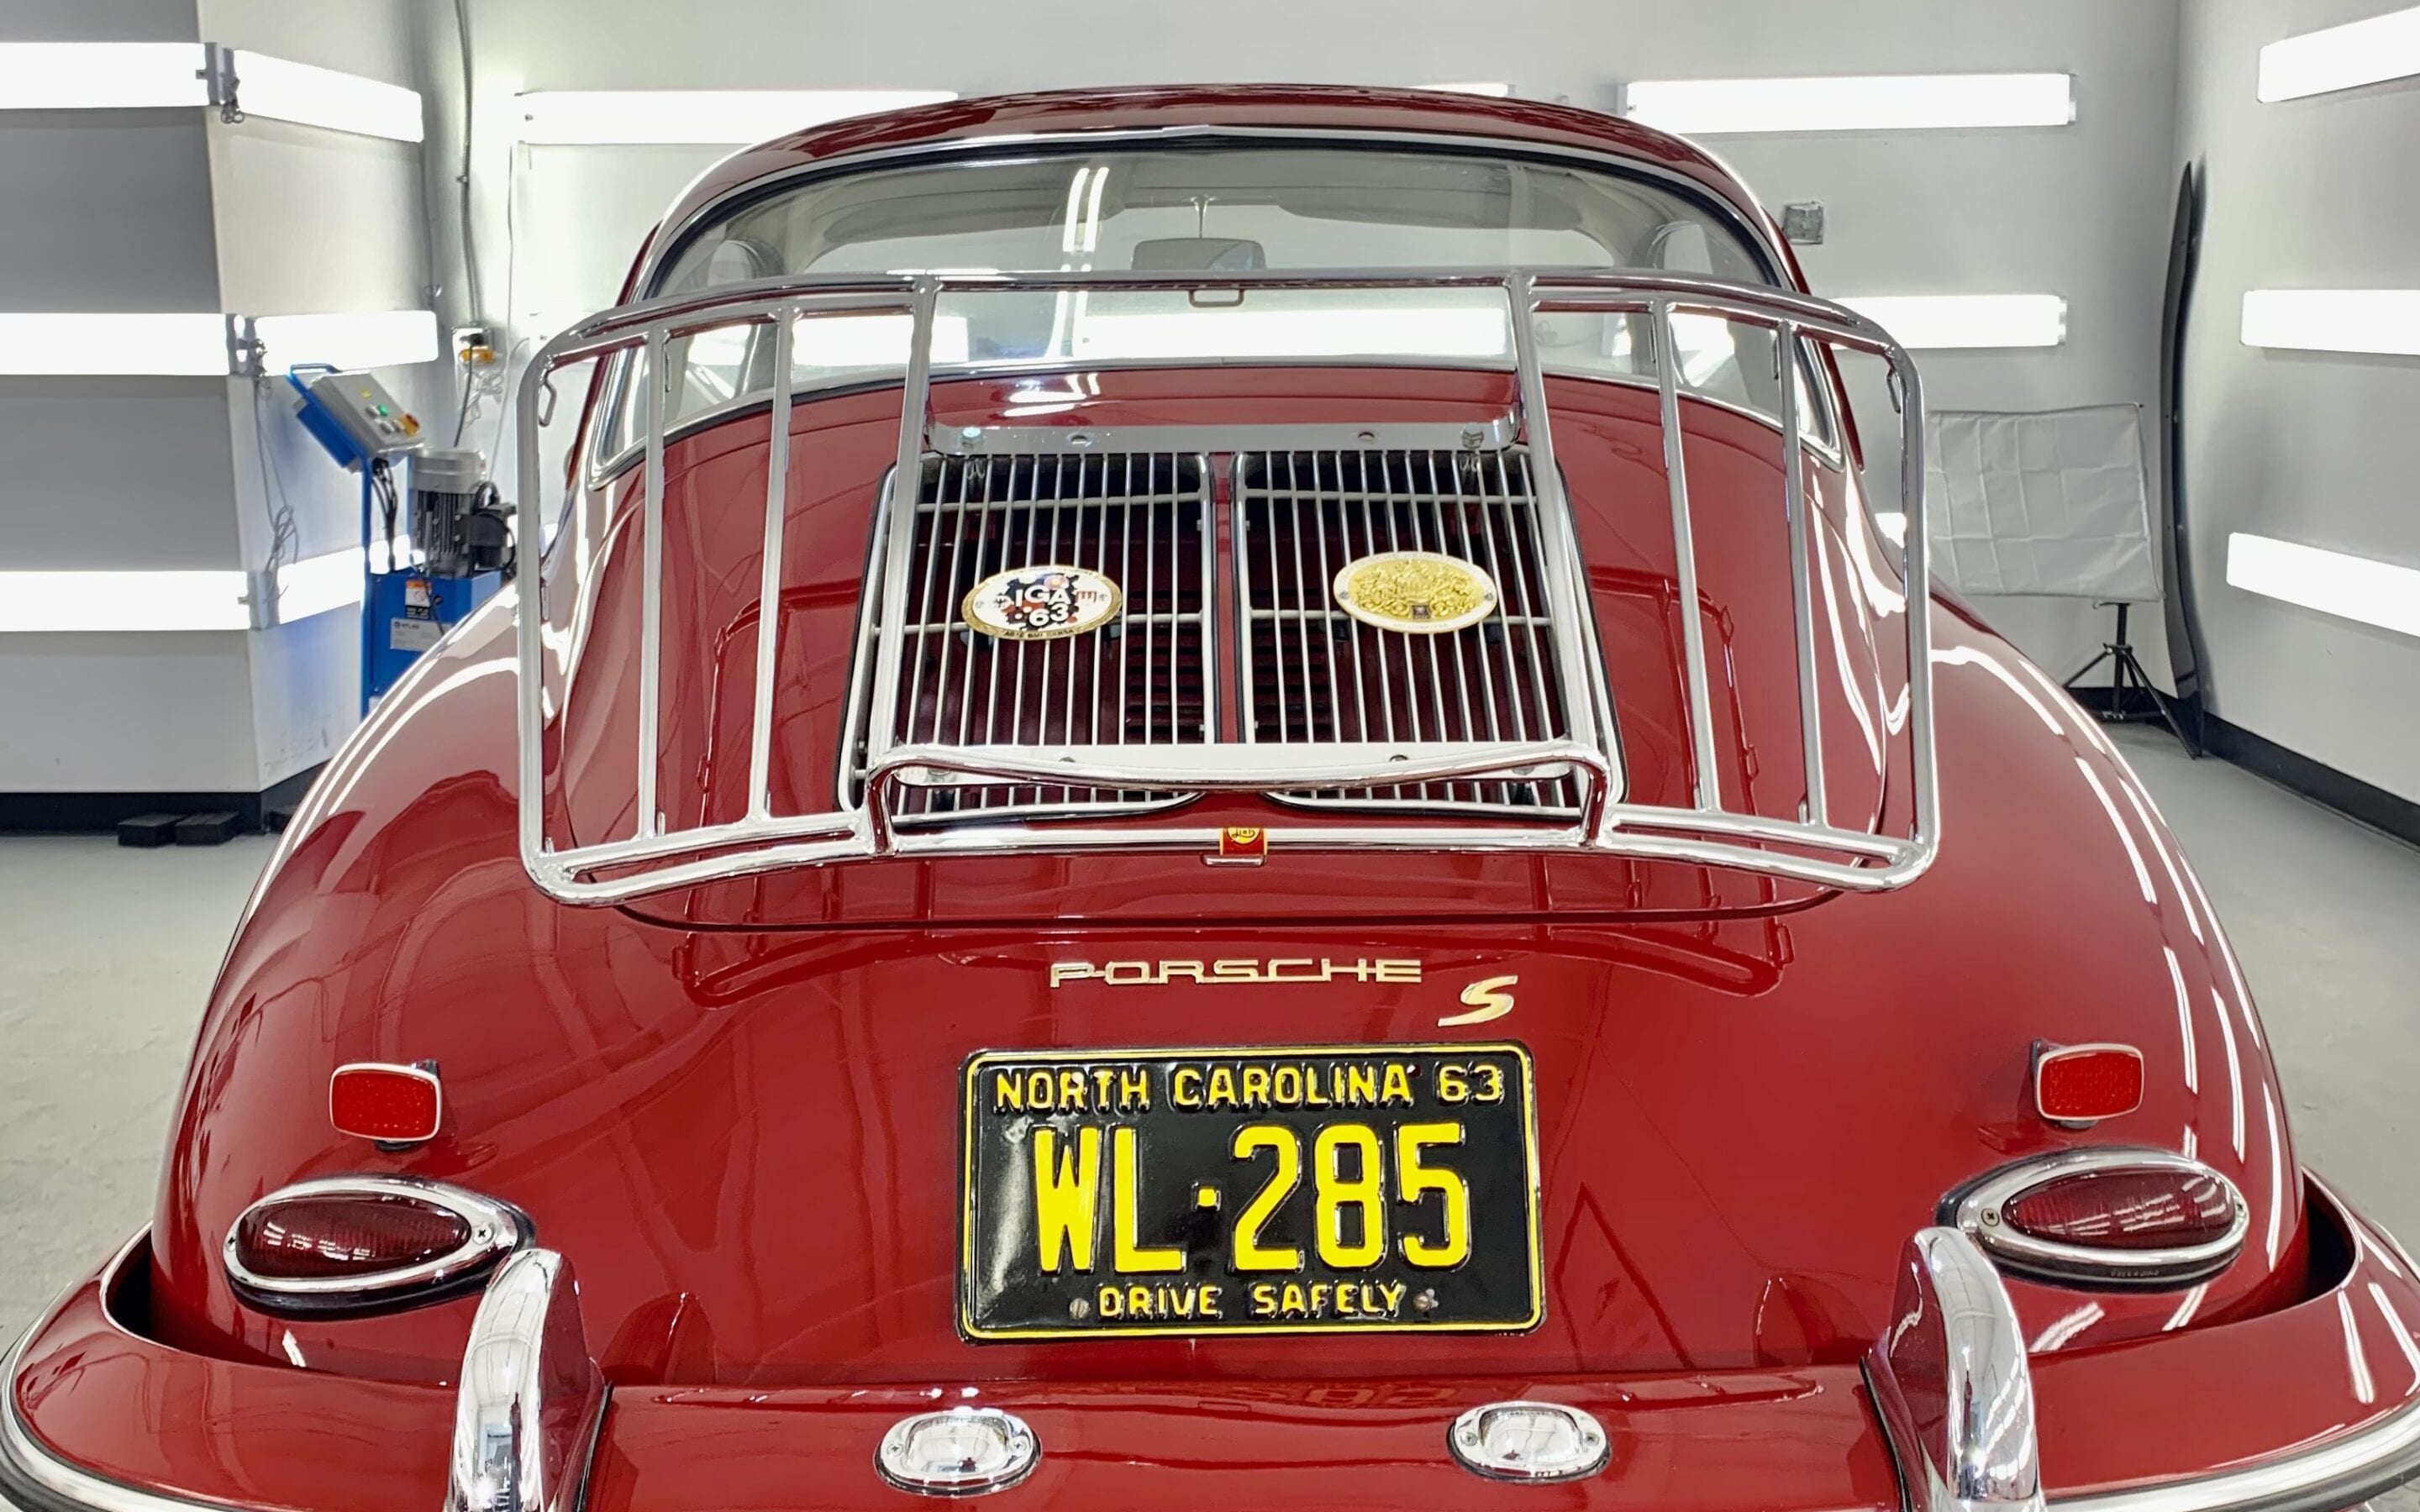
[(173, 209), (2078, 211), (2310, 447)]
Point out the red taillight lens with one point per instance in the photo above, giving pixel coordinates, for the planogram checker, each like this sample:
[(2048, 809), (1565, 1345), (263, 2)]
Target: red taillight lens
[(393, 1104), (330, 1236), (2105, 1218), (2126, 1209), (353, 1244), (2083, 1084)]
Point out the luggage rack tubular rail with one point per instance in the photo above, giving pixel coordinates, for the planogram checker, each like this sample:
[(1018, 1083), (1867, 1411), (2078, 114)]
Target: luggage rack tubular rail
[(655, 858)]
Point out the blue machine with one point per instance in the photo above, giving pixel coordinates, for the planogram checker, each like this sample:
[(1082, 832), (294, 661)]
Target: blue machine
[(452, 523)]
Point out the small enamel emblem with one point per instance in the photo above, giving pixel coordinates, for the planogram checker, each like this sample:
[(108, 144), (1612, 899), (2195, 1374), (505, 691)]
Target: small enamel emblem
[(1241, 846), (1416, 593), (1043, 603)]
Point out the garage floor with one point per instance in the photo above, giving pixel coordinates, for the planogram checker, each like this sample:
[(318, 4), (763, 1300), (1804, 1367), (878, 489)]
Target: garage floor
[(105, 956)]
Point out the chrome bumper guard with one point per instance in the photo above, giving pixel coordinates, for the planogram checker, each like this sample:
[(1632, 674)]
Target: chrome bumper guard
[(1950, 1382), (531, 1401), (656, 855)]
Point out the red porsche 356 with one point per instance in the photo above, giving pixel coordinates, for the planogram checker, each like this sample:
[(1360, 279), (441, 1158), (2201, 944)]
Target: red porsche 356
[(1220, 798)]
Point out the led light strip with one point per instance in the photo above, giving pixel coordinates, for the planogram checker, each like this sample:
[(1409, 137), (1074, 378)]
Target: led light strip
[(1874, 103), (2342, 57), (197, 599), (191, 344), (311, 96), (2383, 594), (1948, 322), (710, 118), (101, 75), (172, 76), (2334, 320)]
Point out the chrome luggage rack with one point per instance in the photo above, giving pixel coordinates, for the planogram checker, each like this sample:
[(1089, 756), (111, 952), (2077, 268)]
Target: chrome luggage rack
[(1588, 752)]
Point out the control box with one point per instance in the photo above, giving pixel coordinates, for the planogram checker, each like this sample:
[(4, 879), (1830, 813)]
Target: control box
[(353, 416)]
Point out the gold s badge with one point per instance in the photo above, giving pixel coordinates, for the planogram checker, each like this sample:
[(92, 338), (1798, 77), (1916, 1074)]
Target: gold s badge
[(1043, 602), (1486, 999), (1416, 593)]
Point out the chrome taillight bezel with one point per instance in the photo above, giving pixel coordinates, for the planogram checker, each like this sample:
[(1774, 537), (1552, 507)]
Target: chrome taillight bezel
[(1977, 1210), (495, 1230)]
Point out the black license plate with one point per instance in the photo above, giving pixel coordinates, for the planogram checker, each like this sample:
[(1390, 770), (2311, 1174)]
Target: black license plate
[(1267, 1191)]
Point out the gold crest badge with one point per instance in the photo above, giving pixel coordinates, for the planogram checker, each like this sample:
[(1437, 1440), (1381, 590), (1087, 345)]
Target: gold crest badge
[(1415, 593)]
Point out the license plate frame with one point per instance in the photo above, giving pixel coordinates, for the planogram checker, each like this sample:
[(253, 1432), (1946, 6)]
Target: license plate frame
[(1023, 1166)]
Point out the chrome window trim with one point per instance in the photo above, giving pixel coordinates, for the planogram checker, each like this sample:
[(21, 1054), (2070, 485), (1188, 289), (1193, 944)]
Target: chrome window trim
[(1976, 1209), (497, 1230), (599, 469)]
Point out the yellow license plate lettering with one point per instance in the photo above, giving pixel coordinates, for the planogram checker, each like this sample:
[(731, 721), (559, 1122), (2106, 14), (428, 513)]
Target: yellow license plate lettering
[(1415, 1178), (1352, 1208), (1066, 1193), (1250, 1255), (1128, 1255)]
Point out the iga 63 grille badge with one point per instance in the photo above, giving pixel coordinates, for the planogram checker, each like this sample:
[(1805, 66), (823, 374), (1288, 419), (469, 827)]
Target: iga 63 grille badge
[(1043, 603), (1418, 592)]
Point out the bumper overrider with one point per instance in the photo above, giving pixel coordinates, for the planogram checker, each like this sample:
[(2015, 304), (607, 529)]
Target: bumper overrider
[(2307, 1408)]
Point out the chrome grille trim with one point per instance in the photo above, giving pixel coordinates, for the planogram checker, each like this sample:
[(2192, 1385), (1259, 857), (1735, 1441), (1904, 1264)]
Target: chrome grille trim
[(1302, 517), (1147, 678)]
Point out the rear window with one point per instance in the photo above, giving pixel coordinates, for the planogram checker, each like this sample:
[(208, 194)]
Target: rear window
[(1302, 207)]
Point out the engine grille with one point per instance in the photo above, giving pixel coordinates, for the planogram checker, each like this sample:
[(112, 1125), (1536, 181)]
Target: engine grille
[(1140, 518), (1314, 675)]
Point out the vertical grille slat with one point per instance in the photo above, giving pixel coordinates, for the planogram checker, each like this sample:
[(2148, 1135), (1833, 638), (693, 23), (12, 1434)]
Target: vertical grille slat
[(1314, 675), (1143, 679)]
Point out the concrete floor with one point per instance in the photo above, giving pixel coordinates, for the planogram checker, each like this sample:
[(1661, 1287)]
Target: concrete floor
[(105, 956)]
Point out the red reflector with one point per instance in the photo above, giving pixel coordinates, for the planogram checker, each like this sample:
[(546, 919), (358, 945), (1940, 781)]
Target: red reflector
[(393, 1104), (2079, 1084), (2121, 1209), (335, 1235)]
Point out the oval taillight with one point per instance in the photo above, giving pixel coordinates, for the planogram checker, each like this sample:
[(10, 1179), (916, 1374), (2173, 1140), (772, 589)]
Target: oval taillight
[(353, 1244), (2125, 1208), (346, 1234), (2106, 1219)]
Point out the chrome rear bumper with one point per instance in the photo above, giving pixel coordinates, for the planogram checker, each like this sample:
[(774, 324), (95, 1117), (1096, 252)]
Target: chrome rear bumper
[(1950, 1380)]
